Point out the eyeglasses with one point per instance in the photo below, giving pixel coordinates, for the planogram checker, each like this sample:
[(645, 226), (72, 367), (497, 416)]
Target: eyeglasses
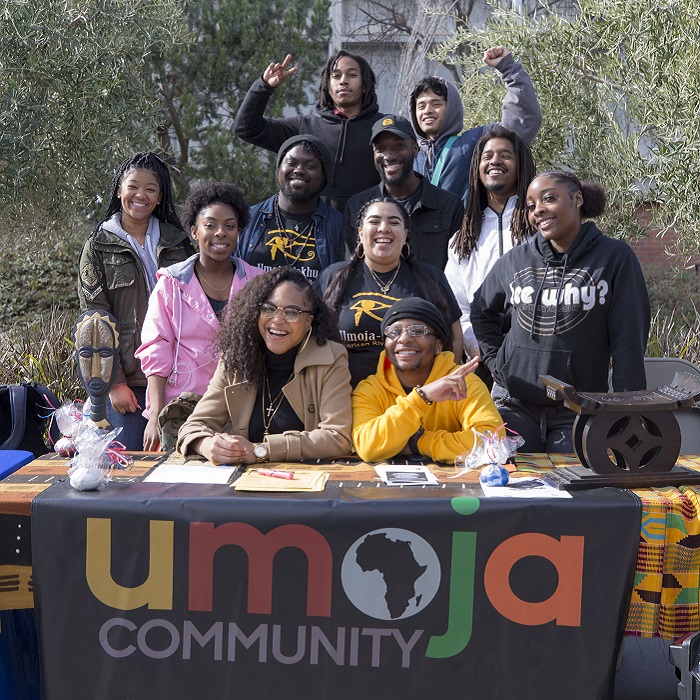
[(395, 332), (290, 313)]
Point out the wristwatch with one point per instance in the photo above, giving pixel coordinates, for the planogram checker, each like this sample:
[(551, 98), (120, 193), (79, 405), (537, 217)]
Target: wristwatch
[(261, 452)]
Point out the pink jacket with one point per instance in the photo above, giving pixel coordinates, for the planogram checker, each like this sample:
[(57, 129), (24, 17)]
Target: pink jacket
[(178, 331)]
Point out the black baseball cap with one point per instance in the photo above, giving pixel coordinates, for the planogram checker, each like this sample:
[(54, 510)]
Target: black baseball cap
[(394, 125)]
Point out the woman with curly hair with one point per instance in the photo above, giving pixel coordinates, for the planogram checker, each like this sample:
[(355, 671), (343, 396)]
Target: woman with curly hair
[(282, 381), (382, 271), (189, 300), (139, 233), (577, 301)]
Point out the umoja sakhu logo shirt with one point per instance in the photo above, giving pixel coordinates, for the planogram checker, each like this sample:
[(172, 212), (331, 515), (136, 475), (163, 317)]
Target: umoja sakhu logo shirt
[(364, 305), (569, 316)]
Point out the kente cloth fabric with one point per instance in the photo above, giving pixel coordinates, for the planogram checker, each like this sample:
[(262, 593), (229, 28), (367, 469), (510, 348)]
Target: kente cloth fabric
[(665, 599)]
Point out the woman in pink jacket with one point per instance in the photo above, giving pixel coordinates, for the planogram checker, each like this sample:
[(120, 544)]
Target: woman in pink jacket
[(178, 353)]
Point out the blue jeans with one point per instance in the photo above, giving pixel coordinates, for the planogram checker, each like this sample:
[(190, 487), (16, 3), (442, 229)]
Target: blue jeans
[(132, 424), (544, 428)]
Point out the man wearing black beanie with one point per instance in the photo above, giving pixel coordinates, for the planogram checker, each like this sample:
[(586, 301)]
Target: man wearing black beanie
[(419, 402), (295, 226)]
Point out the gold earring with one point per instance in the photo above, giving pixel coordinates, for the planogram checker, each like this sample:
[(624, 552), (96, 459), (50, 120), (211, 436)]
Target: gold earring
[(306, 340)]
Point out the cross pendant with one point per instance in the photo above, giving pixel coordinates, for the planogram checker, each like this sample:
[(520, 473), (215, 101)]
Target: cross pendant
[(270, 409)]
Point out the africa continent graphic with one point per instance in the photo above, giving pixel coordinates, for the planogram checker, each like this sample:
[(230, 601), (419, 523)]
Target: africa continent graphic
[(390, 574)]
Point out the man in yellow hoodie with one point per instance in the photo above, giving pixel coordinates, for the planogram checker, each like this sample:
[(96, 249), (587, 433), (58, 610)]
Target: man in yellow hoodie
[(419, 402)]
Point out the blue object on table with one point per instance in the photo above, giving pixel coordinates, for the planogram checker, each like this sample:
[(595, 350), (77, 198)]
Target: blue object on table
[(494, 475), (12, 460)]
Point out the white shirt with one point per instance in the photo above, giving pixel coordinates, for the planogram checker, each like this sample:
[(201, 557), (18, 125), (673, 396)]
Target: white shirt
[(465, 276)]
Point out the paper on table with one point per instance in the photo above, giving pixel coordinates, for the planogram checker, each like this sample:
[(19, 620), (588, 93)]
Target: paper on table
[(304, 480), (191, 474), (524, 487), (405, 474)]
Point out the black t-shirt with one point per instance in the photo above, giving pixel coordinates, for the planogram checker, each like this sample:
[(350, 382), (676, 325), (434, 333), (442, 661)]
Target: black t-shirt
[(294, 243), (364, 305)]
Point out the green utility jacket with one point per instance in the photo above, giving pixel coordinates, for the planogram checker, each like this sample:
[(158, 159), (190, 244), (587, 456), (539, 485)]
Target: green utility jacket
[(111, 278)]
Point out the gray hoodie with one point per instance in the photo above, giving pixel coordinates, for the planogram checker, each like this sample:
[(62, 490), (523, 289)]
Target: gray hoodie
[(521, 113)]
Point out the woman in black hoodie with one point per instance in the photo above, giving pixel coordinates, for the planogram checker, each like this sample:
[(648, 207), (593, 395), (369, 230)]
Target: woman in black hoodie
[(565, 304)]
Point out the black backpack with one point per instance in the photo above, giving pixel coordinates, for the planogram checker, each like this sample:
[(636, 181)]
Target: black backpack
[(25, 410)]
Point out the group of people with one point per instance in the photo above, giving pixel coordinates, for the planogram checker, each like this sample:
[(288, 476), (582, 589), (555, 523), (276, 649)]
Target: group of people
[(351, 309)]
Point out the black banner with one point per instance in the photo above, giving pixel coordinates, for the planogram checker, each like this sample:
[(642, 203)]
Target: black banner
[(157, 592)]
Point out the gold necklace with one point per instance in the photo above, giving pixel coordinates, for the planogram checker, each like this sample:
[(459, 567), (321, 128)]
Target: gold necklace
[(384, 287), (305, 232), (271, 410), (227, 288)]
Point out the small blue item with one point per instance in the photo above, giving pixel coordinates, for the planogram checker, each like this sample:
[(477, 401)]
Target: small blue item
[(494, 475)]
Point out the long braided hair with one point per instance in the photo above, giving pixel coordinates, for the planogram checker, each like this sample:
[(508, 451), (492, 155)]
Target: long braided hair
[(147, 160), (428, 289), (165, 211), (465, 240), (369, 80)]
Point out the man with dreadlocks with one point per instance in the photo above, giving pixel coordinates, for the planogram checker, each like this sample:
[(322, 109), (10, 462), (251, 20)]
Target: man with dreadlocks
[(438, 120), (495, 218), (345, 111), (139, 233)]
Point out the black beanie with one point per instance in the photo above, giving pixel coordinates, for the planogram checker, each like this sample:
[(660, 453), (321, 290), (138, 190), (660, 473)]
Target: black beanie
[(421, 310), (317, 144)]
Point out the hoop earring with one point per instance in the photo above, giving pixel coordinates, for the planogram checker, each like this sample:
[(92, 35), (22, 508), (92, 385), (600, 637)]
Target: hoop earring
[(406, 250), (360, 251), (306, 340)]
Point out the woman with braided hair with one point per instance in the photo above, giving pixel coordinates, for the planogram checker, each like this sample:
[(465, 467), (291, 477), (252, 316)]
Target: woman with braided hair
[(380, 272), (139, 233)]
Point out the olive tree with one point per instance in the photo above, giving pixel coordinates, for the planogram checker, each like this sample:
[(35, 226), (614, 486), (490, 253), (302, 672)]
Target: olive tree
[(202, 86), (75, 95), (619, 87)]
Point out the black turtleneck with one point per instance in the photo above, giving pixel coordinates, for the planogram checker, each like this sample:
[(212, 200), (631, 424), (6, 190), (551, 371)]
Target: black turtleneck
[(280, 369)]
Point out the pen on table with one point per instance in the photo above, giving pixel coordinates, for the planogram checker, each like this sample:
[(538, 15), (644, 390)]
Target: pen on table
[(276, 473)]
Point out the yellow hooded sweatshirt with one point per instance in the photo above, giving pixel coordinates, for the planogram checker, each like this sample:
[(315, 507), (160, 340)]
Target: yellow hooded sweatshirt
[(385, 417)]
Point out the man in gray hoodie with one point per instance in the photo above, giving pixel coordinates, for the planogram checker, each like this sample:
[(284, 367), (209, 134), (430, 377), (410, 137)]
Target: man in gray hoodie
[(437, 117)]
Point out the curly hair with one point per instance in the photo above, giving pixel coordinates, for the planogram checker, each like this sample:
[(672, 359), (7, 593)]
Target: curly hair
[(465, 241), (207, 193), (369, 80), (428, 289), (239, 340), (593, 193)]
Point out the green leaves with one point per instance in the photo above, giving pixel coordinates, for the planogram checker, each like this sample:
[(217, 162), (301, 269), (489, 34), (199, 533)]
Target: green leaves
[(619, 87), (203, 85), (73, 93)]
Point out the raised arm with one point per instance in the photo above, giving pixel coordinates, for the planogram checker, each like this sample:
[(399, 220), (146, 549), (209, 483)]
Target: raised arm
[(521, 110), (251, 125)]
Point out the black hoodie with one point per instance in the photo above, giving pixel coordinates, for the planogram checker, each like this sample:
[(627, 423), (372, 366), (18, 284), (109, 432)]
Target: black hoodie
[(347, 140), (570, 314)]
